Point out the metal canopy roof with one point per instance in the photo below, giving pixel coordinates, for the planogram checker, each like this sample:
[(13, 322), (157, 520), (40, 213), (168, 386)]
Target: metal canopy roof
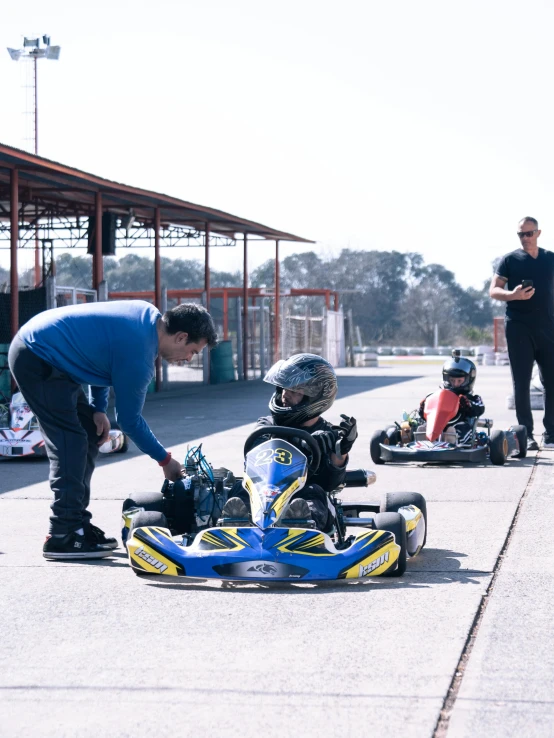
[(48, 184)]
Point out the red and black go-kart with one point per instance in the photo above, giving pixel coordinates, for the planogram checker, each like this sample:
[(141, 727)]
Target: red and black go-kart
[(432, 441)]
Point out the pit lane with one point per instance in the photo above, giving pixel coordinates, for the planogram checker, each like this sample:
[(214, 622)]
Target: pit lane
[(90, 649)]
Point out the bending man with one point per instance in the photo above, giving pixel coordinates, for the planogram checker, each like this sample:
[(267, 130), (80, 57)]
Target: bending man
[(103, 344)]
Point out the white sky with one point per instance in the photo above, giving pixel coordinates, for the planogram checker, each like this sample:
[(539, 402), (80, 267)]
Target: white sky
[(417, 126)]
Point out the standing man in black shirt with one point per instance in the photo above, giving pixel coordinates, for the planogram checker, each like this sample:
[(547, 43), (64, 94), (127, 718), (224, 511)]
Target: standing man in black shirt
[(524, 280)]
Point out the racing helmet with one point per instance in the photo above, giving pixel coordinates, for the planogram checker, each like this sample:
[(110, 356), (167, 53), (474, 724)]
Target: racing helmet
[(306, 373), (459, 366)]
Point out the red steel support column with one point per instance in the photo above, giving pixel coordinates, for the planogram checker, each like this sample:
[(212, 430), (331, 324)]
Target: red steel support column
[(336, 302), (328, 299), (245, 309), (225, 315), (14, 241), (207, 267), (97, 263), (277, 310), (157, 287)]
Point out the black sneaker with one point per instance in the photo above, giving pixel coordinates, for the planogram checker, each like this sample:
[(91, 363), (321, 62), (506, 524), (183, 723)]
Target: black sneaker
[(532, 445), (234, 509), (548, 441), (94, 534), (71, 547)]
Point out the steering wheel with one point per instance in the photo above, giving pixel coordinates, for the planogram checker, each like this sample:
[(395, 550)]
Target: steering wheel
[(287, 434)]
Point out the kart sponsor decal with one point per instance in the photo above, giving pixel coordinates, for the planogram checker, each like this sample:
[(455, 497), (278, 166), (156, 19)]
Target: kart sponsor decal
[(260, 570), (435, 445), (145, 556), (366, 569), (303, 542)]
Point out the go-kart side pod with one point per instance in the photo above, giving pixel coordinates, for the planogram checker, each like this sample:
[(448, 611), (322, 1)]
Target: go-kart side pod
[(276, 554)]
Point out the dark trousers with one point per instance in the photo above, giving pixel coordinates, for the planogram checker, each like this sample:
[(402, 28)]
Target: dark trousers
[(528, 343), (66, 423)]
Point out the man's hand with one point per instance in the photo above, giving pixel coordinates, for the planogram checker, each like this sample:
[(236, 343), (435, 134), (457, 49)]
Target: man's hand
[(103, 426), (172, 470), (518, 293), (327, 440), (348, 432)]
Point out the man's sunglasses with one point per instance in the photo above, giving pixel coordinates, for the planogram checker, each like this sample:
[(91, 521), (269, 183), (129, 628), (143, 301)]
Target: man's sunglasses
[(526, 234)]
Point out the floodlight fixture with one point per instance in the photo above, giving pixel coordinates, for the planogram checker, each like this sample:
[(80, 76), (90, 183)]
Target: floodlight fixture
[(14, 53)]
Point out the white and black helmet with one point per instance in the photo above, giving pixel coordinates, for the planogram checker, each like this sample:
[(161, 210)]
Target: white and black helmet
[(459, 366), (306, 373)]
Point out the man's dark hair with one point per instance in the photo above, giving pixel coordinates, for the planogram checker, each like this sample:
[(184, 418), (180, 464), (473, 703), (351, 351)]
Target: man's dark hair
[(528, 219), (191, 318)]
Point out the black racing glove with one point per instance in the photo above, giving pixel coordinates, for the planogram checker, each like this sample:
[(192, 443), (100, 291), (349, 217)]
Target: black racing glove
[(327, 440), (348, 432)]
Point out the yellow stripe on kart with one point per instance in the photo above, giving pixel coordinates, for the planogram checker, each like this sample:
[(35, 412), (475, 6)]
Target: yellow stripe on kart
[(144, 558), (376, 564)]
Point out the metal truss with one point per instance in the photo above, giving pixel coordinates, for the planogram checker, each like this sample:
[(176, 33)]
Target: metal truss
[(44, 221)]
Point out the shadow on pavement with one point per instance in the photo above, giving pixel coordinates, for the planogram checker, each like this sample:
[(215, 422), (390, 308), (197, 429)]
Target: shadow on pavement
[(198, 413)]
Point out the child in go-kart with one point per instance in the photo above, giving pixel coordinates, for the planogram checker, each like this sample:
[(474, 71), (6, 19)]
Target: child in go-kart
[(306, 386), (458, 375)]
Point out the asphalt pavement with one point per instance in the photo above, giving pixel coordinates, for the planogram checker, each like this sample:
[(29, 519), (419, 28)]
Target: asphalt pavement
[(460, 646)]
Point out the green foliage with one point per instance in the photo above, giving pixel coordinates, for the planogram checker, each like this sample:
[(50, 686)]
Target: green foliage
[(393, 296)]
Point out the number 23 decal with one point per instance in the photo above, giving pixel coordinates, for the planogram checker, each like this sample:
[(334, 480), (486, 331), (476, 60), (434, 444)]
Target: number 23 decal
[(279, 455)]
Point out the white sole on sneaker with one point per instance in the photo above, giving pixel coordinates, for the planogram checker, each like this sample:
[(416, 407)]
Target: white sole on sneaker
[(77, 556)]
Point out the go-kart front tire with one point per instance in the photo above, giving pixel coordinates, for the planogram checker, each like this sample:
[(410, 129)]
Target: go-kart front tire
[(393, 501), (377, 438), (498, 448), (394, 523)]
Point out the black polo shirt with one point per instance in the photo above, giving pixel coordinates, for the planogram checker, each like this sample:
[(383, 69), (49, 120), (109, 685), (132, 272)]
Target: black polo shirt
[(517, 266)]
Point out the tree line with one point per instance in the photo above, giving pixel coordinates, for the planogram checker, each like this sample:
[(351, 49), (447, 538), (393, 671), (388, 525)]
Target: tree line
[(394, 297)]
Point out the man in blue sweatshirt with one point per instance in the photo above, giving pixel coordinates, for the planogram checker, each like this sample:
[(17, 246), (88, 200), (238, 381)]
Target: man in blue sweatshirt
[(103, 344)]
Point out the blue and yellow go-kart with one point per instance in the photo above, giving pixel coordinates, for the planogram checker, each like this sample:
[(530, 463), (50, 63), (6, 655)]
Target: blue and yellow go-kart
[(367, 540)]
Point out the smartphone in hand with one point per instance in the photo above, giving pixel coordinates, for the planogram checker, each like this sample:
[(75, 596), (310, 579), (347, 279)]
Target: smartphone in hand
[(526, 283)]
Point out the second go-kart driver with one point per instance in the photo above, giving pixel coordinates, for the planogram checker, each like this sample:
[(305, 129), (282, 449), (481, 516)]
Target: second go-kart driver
[(458, 376), (305, 387)]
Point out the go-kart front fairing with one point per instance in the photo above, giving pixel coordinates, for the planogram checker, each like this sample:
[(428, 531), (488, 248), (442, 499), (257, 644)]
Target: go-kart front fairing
[(272, 548)]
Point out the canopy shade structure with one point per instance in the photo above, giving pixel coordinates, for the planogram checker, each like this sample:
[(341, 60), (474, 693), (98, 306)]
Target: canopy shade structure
[(71, 192), (43, 200)]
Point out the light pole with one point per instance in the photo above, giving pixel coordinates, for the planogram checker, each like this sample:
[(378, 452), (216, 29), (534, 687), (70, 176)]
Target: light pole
[(32, 51)]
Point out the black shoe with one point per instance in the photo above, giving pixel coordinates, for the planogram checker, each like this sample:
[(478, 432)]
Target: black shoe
[(532, 445), (300, 511), (94, 534), (548, 441), (71, 547), (234, 509)]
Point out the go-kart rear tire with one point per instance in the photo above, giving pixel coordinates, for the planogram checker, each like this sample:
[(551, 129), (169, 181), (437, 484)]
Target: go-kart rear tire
[(380, 436), (393, 501), (498, 448), (394, 523), (521, 435), (150, 501)]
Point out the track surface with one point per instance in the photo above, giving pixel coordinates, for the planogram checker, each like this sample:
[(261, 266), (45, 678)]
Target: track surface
[(461, 646)]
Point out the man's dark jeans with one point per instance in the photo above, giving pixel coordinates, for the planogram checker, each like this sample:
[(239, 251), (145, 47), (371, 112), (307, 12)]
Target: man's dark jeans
[(67, 425), (527, 343)]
